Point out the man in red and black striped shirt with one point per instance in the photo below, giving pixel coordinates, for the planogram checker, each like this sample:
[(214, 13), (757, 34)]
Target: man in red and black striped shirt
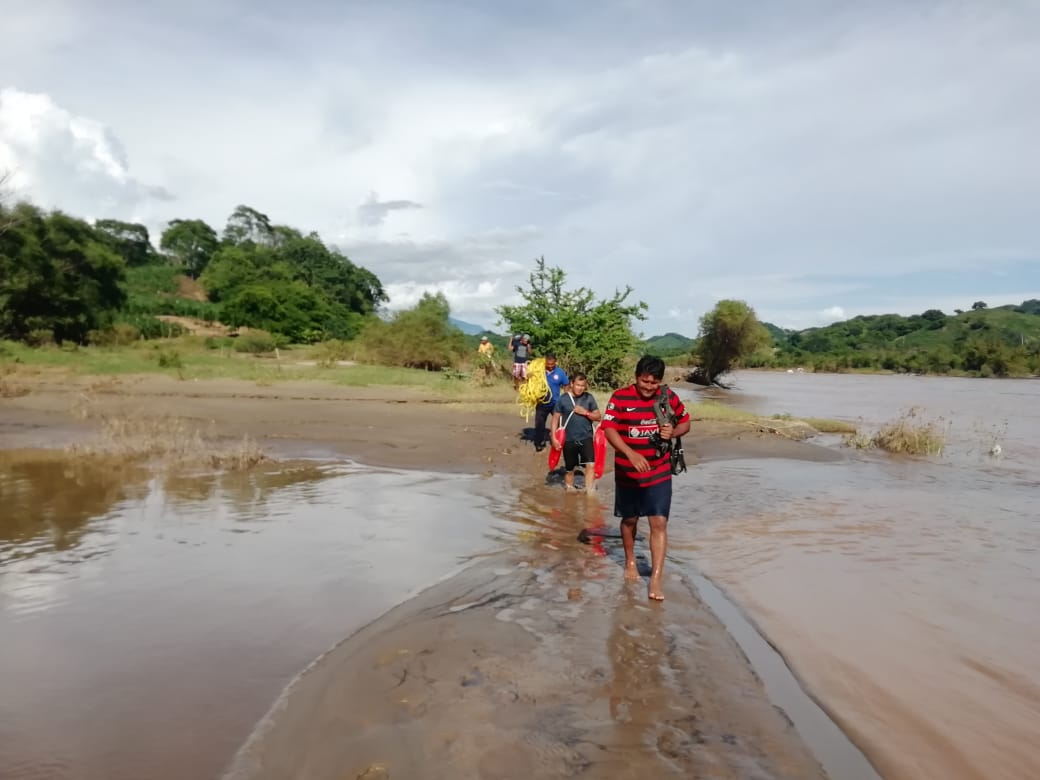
[(642, 475)]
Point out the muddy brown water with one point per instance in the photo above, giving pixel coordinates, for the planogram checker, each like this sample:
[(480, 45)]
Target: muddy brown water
[(147, 624), (904, 592)]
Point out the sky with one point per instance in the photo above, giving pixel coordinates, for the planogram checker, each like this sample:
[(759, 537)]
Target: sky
[(816, 159)]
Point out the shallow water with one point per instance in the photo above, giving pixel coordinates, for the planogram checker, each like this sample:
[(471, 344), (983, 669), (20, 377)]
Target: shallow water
[(904, 592), (148, 624)]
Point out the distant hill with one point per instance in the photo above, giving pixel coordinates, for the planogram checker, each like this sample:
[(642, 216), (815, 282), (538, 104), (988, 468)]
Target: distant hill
[(668, 345), (778, 334), (1003, 341), (468, 327)]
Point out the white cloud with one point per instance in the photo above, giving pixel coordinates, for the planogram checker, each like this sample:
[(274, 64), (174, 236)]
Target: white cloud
[(67, 161), (833, 314), (804, 156), (374, 211)]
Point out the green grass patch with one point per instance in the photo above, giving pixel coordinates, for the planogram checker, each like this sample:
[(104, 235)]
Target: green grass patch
[(198, 357), (155, 289), (712, 411)]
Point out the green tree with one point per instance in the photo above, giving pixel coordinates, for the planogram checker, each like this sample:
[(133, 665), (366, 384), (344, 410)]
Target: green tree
[(978, 305), (129, 240), (58, 279), (247, 225), (191, 243), (587, 335), (420, 337), (935, 319), (728, 332)]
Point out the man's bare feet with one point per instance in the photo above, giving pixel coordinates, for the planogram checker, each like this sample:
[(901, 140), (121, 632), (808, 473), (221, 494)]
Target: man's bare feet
[(631, 571), (654, 590)]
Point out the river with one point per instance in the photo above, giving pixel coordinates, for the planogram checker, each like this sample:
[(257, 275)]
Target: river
[(904, 592), (148, 622)]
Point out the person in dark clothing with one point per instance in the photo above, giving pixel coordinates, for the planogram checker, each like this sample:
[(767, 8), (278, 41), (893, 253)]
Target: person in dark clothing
[(520, 346), (578, 411), (556, 378)]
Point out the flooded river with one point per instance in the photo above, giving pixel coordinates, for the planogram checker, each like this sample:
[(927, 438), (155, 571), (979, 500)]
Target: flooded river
[(905, 593), (148, 623)]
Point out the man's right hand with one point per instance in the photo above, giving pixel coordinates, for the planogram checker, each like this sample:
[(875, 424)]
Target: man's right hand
[(555, 442), (639, 462)]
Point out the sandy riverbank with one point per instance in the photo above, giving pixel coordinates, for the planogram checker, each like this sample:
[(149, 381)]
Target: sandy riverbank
[(394, 427), (539, 663)]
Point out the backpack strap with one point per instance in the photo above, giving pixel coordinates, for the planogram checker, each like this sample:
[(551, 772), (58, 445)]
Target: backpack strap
[(574, 408), (663, 407)]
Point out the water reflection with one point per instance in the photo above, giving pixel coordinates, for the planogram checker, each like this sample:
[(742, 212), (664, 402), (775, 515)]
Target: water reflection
[(131, 602), (48, 498)]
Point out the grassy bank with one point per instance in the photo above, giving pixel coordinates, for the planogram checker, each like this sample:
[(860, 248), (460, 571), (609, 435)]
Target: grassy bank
[(195, 357), (190, 358)]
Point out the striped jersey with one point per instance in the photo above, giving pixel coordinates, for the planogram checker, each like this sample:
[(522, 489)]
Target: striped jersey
[(633, 417)]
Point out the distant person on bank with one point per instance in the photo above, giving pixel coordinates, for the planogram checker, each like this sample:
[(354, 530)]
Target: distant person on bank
[(486, 348), (520, 346)]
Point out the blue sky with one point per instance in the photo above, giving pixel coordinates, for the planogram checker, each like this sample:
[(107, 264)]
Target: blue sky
[(816, 159)]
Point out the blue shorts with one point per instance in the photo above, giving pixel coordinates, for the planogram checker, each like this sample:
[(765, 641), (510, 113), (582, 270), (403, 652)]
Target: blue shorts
[(653, 501)]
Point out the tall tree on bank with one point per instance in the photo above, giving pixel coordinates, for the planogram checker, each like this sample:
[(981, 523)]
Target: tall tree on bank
[(58, 279), (129, 240), (190, 243), (248, 226), (588, 335), (420, 337), (728, 333)]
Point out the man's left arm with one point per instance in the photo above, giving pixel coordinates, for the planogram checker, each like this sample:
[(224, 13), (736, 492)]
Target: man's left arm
[(682, 417)]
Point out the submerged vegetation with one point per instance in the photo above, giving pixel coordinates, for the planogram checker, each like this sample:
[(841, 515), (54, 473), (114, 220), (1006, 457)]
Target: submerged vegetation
[(167, 441), (910, 434)]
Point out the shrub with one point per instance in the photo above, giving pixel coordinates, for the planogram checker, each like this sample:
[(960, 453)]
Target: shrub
[(218, 342), (39, 337), (120, 334), (328, 353), (256, 342), (909, 435), (170, 358)]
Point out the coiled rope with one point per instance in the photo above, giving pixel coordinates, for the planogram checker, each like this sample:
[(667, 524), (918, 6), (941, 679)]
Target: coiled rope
[(534, 390)]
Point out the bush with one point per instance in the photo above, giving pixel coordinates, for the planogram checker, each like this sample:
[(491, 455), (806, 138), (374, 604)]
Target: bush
[(909, 435), (328, 353), (256, 342), (119, 335), (420, 337), (218, 342), (39, 337), (170, 358), (149, 327)]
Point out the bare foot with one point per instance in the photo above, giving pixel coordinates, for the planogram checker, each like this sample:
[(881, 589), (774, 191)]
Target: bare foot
[(631, 571), (654, 591)]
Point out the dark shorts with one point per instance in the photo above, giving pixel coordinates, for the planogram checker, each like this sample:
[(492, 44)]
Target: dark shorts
[(653, 501), (575, 452)]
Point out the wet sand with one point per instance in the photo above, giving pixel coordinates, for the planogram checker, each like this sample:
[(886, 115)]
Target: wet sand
[(541, 662), (391, 427), (548, 667)]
